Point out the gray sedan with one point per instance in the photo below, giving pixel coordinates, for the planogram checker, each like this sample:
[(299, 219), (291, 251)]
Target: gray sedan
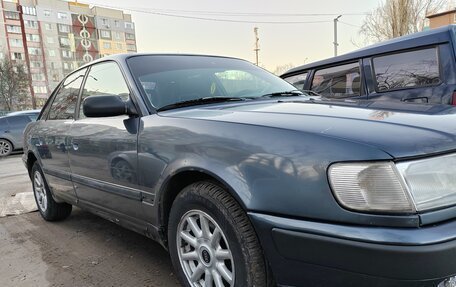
[(246, 181)]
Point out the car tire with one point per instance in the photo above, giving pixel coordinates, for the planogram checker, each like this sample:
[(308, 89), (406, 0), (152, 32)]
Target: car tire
[(224, 247), (49, 209), (6, 147)]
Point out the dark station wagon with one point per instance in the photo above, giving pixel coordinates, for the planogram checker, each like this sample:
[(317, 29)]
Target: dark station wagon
[(417, 68), (246, 181)]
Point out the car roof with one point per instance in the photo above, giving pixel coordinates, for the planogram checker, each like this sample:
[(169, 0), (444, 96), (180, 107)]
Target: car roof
[(28, 112), (124, 56), (425, 38)]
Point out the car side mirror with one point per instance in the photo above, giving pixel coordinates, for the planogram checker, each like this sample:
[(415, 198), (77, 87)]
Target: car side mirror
[(107, 106)]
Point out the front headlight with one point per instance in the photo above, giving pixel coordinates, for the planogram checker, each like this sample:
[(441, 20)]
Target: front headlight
[(431, 181), (405, 187), (370, 186)]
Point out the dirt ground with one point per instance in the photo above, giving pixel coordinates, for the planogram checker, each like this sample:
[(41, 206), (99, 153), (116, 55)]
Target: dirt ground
[(82, 251)]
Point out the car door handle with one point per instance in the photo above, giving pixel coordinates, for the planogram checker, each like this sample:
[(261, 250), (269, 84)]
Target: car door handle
[(75, 146)]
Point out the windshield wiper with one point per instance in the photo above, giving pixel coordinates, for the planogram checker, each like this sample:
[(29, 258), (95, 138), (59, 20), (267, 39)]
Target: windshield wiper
[(200, 101), (283, 94), (310, 92)]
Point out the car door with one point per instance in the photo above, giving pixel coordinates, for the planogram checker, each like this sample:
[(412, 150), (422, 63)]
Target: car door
[(5, 132), (51, 134), (16, 128), (103, 154)]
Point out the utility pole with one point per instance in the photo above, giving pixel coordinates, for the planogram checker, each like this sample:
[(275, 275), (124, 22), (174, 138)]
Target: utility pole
[(257, 47), (335, 34), (27, 56)]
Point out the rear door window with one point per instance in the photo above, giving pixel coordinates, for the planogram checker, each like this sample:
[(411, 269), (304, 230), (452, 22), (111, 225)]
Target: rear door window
[(65, 100), (342, 81), (18, 122), (3, 125), (411, 69), (298, 81)]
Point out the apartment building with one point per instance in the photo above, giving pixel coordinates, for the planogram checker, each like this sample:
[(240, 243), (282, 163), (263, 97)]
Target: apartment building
[(54, 37), (441, 19)]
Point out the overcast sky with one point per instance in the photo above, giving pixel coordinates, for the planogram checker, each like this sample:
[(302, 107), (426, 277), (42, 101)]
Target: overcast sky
[(279, 43)]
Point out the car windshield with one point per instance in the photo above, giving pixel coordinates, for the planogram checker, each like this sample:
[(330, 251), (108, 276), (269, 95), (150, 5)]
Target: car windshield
[(167, 80)]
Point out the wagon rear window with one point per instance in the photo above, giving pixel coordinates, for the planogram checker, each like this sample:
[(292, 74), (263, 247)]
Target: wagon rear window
[(407, 70)]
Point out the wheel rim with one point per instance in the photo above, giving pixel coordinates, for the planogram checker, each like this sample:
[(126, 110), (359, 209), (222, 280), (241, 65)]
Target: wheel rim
[(5, 147), (203, 250), (40, 191)]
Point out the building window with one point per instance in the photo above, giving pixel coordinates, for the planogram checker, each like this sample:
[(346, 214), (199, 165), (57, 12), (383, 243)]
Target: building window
[(11, 15), (13, 29), (131, 47), (55, 78), (67, 66), (105, 34), (129, 25), (33, 37), (129, 36), (50, 40), (16, 56), (34, 64), (64, 28), (34, 51), (48, 26), (40, 89), (47, 13), (65, 42), (117, 35), (29, 10), (104, 22), (66, 54), (31, 24), (117, 23), (119, 46), (37, 77), (15, 42), (51, 53), (106, 45), (62, 15)]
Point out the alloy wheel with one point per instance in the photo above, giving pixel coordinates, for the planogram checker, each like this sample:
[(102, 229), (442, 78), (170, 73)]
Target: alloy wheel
[(40, 191), (5, 148), (203, 250)]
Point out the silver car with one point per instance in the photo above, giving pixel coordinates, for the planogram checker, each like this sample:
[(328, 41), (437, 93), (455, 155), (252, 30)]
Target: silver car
[(11, 129)]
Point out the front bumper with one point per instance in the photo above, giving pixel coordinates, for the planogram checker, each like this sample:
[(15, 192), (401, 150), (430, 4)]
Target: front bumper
[(304, 253)]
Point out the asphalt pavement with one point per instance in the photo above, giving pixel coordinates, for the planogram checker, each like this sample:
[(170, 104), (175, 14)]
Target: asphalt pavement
[(81, 251)]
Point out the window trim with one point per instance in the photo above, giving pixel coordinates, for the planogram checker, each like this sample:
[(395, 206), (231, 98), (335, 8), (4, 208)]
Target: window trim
[(59, 87), (374, 74), (313, 72), (89, 68)]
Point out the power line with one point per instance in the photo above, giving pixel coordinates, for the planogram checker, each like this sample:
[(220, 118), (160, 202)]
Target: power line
[(345, 23), (157, 12)]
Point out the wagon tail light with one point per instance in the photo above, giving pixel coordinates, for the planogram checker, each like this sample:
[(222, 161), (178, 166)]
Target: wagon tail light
[(453, 99)]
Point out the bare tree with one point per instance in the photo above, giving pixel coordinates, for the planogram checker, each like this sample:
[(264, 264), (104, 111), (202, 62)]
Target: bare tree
[(13, 85), (279, 70), (394, 18)]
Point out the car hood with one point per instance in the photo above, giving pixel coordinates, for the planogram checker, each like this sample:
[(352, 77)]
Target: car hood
[(400, 134)]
